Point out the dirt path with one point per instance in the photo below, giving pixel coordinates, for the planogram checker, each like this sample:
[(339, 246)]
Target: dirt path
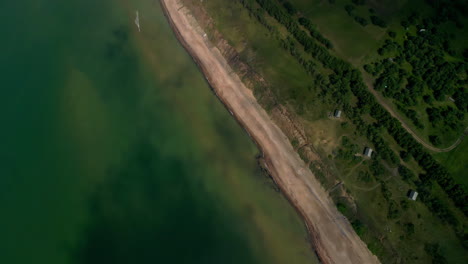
[(334, 239), (406, 126)]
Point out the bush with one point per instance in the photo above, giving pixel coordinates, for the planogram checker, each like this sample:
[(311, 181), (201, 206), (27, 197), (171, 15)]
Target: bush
[(434, 140), (405, 156), (359, 227), (409, 228), (290, 8), (362, 21), (349, 9), (359, 2), (406, 174), (342, 208), (378, 21), (433, 250)]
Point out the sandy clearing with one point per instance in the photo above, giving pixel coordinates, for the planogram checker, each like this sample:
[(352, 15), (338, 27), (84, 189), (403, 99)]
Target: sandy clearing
[(333, 237)]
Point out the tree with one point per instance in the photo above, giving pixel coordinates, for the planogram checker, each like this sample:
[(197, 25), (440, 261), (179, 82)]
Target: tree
[(404, 23), (289, 7), (409, 227), (393, 211), (349, 9), (341, 207), (359, 2), (405, 156), (434, 140), (362, 21), (359, 227), (378, 21), (433, 250)]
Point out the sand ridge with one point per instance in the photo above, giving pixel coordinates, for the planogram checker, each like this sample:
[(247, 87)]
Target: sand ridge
[(332, 236)]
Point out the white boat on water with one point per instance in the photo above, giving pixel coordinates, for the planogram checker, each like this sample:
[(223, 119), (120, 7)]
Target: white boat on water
[(137, 20)]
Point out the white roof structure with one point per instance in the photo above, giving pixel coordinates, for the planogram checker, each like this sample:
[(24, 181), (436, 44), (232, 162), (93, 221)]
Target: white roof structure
[(368, 152), (412, 195), (337, 113)]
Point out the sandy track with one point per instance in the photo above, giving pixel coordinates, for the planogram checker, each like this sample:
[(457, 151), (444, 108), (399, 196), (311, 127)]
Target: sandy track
[(333, 237)]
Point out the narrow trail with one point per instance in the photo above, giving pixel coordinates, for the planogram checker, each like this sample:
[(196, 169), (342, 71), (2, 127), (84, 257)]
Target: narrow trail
[(333, 237), (407, 127)]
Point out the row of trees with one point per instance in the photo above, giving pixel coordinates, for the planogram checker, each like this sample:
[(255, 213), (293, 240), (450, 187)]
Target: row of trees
[(425, 53), (431, 76), (307, 24), (344, 80), (377, 21), (346, 77), (446, 116)]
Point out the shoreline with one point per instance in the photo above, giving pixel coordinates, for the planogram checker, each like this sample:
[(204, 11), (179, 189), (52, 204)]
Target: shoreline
[(332, 237)]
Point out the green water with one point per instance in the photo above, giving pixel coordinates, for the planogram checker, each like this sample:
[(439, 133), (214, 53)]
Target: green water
[(114, 150)]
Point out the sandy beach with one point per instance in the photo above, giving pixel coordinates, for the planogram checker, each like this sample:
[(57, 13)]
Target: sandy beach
[(332, 236)]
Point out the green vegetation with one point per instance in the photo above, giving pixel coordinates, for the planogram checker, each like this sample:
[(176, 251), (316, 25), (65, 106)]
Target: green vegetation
[(417, 74), (310, 77), (344, 80), (456, 162)]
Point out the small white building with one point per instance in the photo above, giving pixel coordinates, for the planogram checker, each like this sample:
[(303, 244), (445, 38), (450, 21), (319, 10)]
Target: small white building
[(337, 113), (412, 195), (368, 152)]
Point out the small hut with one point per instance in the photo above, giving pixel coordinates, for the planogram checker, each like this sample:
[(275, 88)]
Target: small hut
[(337, 113), (368, 152), (412, 195)]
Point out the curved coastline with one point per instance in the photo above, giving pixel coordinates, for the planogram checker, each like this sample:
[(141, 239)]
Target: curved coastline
[(331, 234)]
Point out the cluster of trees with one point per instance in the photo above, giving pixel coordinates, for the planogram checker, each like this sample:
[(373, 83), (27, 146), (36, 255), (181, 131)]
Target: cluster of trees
[(375, 20), (447, 116), (435, 171), (345, 77), (449, 10), (433, 250), (359, 2), (316, 50), (435, 140), (389, 46), (431, 77), (289, 7), (345, 80), (411, 114), (307, 24), (406, 174), (348, 150), (378, 21), (425, 53), (258, 13), (393, 210), (435, 204), (349, 9), (461, 99), (359, 227)]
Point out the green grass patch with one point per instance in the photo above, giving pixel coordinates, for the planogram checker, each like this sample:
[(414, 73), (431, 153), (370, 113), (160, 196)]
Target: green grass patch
[(456, 162)]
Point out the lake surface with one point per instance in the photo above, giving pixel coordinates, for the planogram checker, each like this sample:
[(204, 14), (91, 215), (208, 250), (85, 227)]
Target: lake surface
[(114, 149)]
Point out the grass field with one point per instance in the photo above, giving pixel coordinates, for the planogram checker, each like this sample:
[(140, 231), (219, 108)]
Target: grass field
[(457, 162), (358, 44), (259, 48)]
